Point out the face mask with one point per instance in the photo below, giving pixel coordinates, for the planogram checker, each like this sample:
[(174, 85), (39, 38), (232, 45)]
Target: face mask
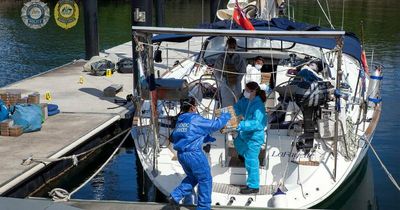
[(258, 66), (246, 94)]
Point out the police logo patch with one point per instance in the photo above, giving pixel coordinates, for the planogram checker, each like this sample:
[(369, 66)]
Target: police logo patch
[(66, 13), (35, 14)]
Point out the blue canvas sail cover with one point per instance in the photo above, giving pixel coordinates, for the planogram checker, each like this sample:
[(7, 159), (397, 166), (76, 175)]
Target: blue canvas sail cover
[(351, 47)]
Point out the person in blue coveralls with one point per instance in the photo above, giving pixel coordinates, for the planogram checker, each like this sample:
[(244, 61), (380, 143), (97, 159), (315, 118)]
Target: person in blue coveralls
[(251, 132), (190, 133)]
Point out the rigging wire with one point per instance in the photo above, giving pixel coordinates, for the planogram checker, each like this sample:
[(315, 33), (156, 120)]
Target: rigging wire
[(342, 14), (202, 11), (329, 11), (215, 15), (391, 178), (326, 16)]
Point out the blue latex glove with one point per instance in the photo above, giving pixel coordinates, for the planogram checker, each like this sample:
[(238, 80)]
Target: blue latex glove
[(226, 115), (240, 126), (208, 138)]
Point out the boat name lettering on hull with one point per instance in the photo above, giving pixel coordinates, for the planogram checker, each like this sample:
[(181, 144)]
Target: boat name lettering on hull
[(290, 154)]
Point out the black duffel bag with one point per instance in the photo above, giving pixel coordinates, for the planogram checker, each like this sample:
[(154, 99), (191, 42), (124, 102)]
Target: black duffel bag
[(125, 65)]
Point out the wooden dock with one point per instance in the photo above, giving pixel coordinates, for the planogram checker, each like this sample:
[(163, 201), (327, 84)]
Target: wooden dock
[(84, 112)]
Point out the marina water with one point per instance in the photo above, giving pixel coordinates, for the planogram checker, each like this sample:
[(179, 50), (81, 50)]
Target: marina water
[(26, 52)]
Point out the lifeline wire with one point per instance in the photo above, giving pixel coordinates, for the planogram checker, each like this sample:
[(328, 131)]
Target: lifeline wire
[(74, 157), (59, 194), (231, 72), (101, 168)]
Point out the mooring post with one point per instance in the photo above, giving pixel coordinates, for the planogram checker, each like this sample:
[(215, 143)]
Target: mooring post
[(141, 15), (91, 29), (160, 13), (213, 9)]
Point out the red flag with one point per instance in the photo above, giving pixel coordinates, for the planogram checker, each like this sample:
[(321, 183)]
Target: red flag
[(241, 19), (364, 62)]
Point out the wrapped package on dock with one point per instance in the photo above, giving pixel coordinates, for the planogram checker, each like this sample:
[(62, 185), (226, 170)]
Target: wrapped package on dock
[(232, 123), (27, 116)]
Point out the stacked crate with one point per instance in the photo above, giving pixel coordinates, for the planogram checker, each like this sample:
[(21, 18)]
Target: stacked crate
[(4, 127), (33, 98), (10, 98), (23, 100), (15, 130)]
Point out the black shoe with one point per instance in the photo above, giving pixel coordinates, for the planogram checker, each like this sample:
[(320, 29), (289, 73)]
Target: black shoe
[(248, 190), (173, 203), (241, 158)]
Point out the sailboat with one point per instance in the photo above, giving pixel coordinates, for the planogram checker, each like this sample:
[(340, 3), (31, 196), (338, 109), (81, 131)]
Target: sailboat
[(317, 137)]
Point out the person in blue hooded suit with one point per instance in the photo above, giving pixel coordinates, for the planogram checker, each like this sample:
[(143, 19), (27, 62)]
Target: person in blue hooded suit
[(251, 133), (190, 133)]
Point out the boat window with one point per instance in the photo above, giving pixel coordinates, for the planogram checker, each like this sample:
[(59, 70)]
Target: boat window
[(216, 45), (258, 43)]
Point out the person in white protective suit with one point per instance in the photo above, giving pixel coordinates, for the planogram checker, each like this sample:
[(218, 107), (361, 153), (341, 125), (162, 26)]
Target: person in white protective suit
[(253, 73), (230, 73)]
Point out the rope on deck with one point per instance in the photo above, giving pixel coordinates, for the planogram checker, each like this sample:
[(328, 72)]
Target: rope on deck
[(59, 194), (74, 158)]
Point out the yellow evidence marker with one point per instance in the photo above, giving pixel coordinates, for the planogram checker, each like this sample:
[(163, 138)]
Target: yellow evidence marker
[(47, 96), (108, 73), (81, 80)]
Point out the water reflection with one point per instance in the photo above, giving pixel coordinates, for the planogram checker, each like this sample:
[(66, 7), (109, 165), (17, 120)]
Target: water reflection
[(117, 181)]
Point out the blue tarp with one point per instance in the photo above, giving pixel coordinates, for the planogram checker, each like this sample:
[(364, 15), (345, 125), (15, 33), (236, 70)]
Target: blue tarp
[(352, 44)]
